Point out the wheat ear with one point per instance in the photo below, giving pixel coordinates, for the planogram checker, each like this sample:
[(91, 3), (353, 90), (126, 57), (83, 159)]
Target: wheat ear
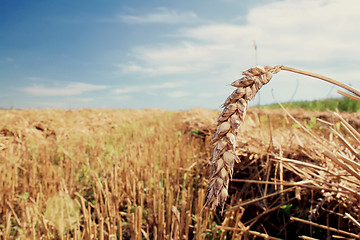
[(235, 106), (223, 155)]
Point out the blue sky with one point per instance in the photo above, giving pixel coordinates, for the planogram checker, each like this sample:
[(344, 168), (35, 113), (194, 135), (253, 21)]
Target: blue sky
[(170, 54)]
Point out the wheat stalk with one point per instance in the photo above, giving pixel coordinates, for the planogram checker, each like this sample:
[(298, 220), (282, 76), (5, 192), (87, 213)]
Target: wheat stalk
[(223, 155)]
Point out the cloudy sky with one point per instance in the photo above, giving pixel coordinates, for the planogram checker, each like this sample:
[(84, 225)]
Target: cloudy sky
[(171, 54)]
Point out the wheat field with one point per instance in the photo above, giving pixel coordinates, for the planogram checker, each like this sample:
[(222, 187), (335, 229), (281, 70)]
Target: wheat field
[(100, 174), (143, 174)]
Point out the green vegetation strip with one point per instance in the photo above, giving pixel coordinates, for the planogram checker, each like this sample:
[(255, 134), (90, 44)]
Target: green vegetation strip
[(343, 104)]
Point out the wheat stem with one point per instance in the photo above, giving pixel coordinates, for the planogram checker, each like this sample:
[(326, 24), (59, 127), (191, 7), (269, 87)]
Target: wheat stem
[(327, 79), (325, 227), (353, 97)]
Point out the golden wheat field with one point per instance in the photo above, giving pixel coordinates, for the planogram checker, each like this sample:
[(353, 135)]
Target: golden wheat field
[(144, 174)]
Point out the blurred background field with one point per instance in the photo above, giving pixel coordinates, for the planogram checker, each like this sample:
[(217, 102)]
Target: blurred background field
[(343, 104), (143, 174)]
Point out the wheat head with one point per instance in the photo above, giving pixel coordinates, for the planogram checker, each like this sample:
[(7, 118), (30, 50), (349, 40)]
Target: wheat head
[(229, 121)]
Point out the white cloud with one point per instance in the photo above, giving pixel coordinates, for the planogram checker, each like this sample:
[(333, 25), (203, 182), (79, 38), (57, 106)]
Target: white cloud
[(85, 100), (48, 104), (186, 57), (215, 94), (147, 88), (178, 94), (289, 31), (160, 69), (220, 33), (163, 15), (70, 89), (185, 52), (286, 30), (320, 36), (133, 68), (307, 30)]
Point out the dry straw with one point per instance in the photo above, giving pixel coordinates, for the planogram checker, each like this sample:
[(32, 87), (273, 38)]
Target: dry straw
[(228, 123)]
